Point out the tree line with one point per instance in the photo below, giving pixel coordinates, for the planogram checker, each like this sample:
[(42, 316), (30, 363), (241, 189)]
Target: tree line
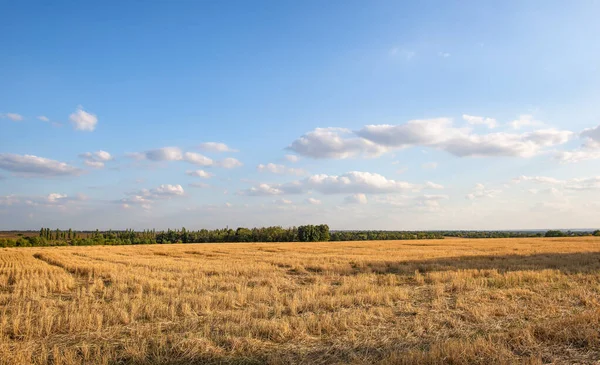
[(518, 234), (305, 233), (57, 237)]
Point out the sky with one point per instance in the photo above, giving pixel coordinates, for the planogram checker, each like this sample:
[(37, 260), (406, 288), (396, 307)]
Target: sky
[(358, 114)]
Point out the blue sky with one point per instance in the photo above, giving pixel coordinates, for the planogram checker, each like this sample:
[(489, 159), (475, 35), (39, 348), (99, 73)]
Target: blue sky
[(436, 115)]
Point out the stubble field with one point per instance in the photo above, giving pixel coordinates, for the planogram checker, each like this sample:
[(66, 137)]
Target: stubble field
[(449, 301)]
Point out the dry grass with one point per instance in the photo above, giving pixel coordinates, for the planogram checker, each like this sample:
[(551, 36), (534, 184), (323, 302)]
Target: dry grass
[(396, 302)]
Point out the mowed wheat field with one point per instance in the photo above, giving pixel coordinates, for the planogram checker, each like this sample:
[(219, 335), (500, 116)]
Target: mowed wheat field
[(452, 301)]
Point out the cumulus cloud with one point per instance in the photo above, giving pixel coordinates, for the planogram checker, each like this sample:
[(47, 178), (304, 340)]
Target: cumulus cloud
[(43, 118), (167, 190), (229, 163), (197, 159), (176, 154), (354, 182), (329, 143), (578, 155), (200, 173), (313, 201), (96, 159), (146, 197), (592, 134), (590, 150), (34, 166), (504, 144), (426, 132), (273, 189), (12, 116), (51, 200), (164, 154), (215, 147), (356, 199), (282, 201), (480, 191), (489, 122), (436, 133), (279, 169), (83, 121)]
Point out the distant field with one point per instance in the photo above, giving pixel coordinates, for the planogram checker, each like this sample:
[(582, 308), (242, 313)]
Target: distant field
[(17, 234), (458, 301)]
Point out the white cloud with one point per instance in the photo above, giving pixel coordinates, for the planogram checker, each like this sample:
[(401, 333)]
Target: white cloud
[(590, 150), (273, 189), (43, 118), (51, 200), (12, 116), (578, 155), (480, 191), (197, 159), (96, 159), (592, 134), (313, 201), (200, 173), (34, 166), (439, 133), (94, 164), (444, 54), (426, 132), (164, 154), (292, 158), (215, 147), (432, 185), (525, 120), (83, 121), (489, 122), (279, 169), (229, 163), (176, 154), (328, 143), (167, 190), (356, 182), (145, 197), (356, 199), (505, 144), (282, 201), (430, 165), (54, 197)]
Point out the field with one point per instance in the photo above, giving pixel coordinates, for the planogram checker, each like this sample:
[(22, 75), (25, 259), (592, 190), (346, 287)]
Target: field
[(452, 301)]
